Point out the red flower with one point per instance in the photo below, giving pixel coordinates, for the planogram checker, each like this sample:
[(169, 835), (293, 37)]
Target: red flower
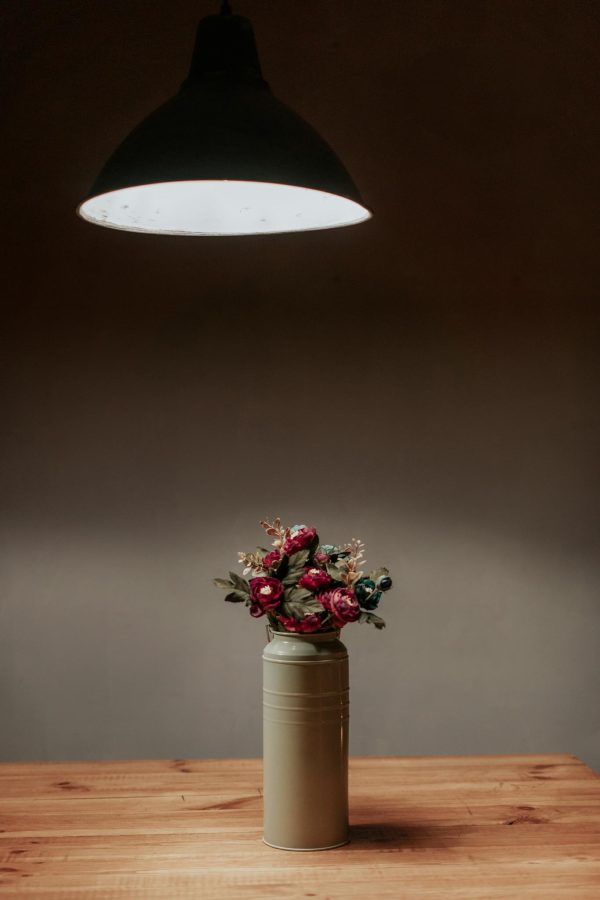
[(266, 594), (342, 604), (310, 623), (314, 579), (271, 559), (321, 557), (299, 540)]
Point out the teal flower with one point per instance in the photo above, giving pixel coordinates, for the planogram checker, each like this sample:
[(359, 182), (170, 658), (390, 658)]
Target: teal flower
[(363, 589), (372, 601)]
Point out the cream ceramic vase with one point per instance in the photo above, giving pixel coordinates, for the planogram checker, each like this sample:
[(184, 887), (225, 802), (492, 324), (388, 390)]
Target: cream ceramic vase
[(305, 741)]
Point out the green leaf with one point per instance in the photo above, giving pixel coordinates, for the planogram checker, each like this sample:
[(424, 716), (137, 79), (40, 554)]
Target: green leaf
[(293, 609), (223, 583), (299, 559), (314, 606), (240, 584), (296, 564), (299, 602), (236, 597), (298, 594), (378, 573), (335, 572), (372, 619)]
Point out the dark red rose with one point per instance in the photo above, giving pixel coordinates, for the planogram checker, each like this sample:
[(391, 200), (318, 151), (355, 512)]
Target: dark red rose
[(310, 623), (271, 559), (342, 604), (299, 540), (314, 579), (266, 593), (256, 610), (321, 557)]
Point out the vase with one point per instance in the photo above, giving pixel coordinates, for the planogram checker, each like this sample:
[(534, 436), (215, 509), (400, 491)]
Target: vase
[(305, 741)]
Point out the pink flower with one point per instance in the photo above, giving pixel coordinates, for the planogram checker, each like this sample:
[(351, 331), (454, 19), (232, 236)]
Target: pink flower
[(321, 557), (266, 594), (271, 559), (299, 540), (310, 623), (342, 604), (314, 579)]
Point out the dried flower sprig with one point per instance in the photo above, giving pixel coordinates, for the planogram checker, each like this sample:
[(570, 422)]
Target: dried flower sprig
[(354, 560), (275, 529), (252, 562)]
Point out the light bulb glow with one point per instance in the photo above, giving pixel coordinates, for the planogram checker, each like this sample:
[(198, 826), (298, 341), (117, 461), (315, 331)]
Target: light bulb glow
[(221, 208)]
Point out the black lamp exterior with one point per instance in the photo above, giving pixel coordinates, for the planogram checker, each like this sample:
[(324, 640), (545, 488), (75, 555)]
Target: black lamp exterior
[(225, 124)]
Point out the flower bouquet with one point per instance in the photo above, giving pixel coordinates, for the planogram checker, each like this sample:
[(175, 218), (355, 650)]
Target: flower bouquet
[(303, 586)]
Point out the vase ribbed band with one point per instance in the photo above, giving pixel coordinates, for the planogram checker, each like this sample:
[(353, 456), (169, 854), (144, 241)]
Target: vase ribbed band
[(305, 741)]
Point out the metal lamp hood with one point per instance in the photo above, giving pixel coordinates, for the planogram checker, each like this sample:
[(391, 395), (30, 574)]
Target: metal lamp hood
[(223, 156)]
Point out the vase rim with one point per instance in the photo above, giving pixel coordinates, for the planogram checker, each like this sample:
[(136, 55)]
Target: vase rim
[(313, 635)]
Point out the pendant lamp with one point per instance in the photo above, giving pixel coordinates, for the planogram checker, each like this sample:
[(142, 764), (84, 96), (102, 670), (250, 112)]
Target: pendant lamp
[(223, 156)]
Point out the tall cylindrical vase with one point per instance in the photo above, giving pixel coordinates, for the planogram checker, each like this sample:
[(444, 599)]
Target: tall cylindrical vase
[(305, 741)]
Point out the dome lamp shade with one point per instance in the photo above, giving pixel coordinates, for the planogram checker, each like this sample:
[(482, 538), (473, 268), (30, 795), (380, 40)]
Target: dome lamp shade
[(223, 156)]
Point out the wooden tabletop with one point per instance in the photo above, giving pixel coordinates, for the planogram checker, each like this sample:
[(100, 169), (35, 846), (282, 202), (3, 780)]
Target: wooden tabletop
[(437, 827)]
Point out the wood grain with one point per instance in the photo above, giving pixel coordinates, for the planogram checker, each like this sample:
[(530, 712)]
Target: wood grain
[(447, 827)]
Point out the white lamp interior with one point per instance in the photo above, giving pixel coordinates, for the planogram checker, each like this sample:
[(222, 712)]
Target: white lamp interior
[(221, 207)]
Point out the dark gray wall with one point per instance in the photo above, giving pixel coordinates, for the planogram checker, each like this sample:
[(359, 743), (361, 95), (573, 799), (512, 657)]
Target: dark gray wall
[(428, 382)]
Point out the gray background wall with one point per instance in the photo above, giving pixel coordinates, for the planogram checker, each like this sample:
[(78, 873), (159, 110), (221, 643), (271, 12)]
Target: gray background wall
[(428, 382)]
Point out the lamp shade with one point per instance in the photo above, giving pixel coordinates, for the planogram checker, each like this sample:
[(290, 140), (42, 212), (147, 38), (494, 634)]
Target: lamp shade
[(223, 156)]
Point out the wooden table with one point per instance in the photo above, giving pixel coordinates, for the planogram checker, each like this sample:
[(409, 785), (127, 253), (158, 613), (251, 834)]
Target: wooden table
[(446, 827)]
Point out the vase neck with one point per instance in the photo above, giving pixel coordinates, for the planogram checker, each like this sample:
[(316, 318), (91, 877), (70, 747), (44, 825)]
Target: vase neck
[(317, 637)]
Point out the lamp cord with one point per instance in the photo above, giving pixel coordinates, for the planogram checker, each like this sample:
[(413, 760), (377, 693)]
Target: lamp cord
[(225, 8)]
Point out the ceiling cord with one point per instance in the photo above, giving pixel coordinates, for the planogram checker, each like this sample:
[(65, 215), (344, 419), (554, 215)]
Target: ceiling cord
[(225, 8)]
